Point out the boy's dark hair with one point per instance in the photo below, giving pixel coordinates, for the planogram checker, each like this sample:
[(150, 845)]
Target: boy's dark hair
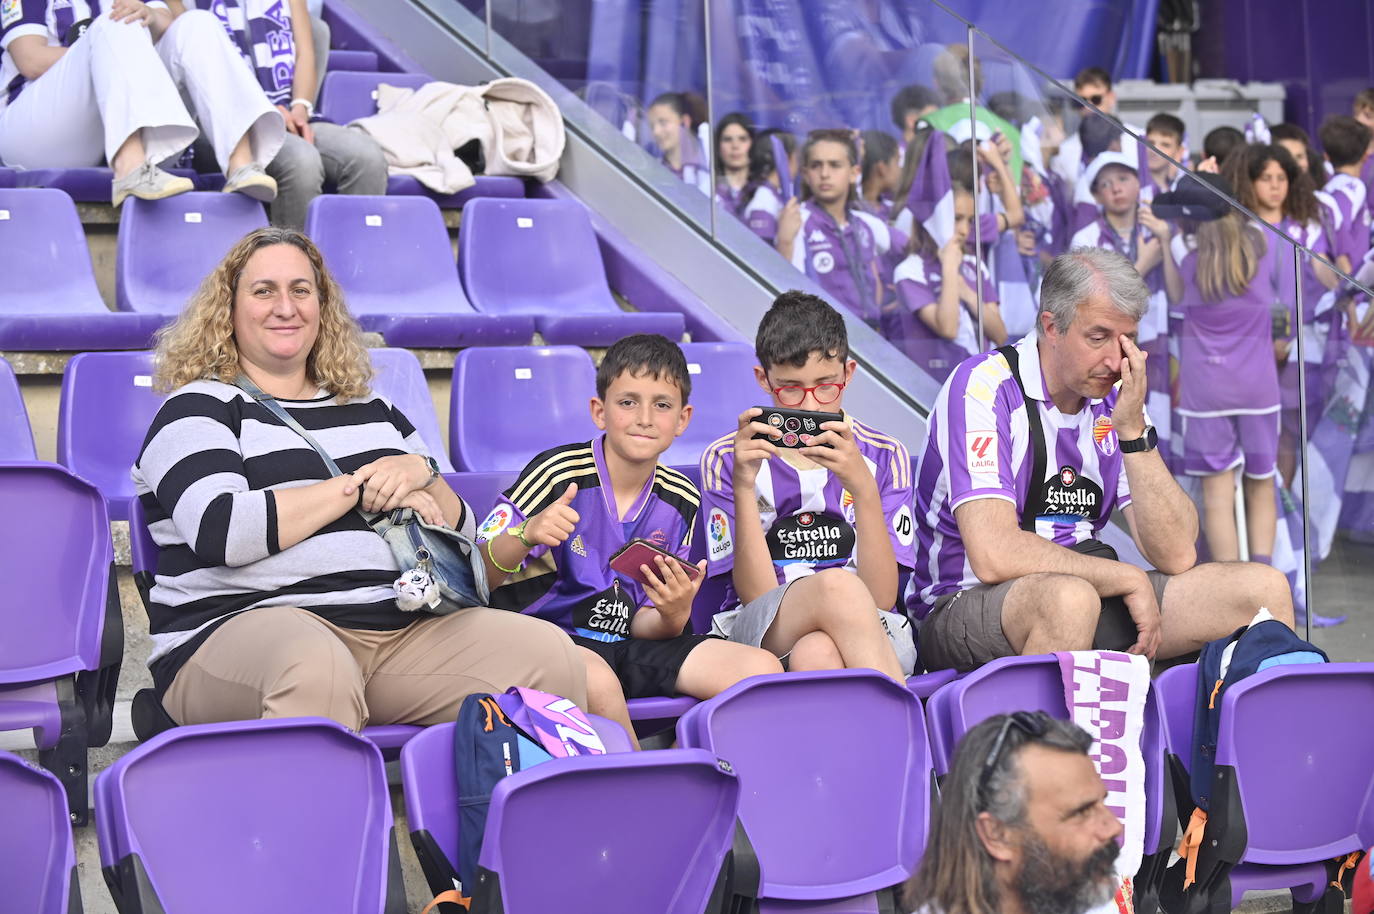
[(1164, 122), (909, 99), (1097, 134), (1092, 76), (1294, 133), (1009, 106), (797, 325), (1363, 99), (1219, 143), (1344, 140), (644, 354)]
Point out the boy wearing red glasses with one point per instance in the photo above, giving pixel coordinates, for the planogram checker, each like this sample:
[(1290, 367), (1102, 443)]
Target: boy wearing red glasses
[(810, 537)]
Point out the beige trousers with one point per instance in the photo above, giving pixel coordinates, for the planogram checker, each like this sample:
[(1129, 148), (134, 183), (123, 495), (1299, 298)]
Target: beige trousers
[(281, 661)]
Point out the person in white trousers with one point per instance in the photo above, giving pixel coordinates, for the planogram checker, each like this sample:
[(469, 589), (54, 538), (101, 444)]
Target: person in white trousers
[(78, 85)]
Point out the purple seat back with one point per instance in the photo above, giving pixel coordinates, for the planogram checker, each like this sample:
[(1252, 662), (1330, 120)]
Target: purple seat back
[(1176, 691), (431, 795), (56, 570), (341, 60), (723, 386), (16, 438), (166, 248), (346, 96), (108, 403), (501, 238), (624, 858), (480, 490), (1034, 683), (47, 264), (401, 380), (864, 827), (391, 255), (37, 859), (7, 176), (485, 186), (493, 387), (270, 815), (1301, 740)]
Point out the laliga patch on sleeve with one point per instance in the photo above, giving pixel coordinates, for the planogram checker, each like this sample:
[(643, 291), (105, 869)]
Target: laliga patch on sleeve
[(982, 451), (11, 11), (719, 542), (903, 526), (498, 520)]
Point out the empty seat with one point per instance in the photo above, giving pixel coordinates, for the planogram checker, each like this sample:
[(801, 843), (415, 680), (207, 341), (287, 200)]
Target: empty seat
[(166, 248), (392, 257), (606, 847), (48, 296), (346, 96), (16, 438), (484, 186), (107, 405), (823, 829), (540, 257), (59, 661), (37, 860), (1293, 781), (341, 59), (270, 815), (401, 380), (508, 405), (723, 386)]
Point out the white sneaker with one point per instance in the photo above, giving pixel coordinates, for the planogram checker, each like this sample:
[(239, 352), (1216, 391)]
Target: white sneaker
[(148, 182), (252, 181)]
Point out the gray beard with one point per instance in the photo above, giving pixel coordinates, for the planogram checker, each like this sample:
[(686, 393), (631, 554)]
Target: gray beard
[(1051, 884)]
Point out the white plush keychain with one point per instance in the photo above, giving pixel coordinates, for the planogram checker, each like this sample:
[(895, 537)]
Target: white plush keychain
[(415, 590)]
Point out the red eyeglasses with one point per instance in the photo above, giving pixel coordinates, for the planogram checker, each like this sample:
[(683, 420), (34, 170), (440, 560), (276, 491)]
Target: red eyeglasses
[(793, 395)]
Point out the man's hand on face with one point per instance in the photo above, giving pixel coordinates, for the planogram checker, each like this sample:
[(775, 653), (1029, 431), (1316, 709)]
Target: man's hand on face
[(1128, 416)]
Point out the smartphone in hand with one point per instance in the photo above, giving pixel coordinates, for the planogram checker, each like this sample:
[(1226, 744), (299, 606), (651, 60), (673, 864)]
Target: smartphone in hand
[(798, 426), (638, 552)]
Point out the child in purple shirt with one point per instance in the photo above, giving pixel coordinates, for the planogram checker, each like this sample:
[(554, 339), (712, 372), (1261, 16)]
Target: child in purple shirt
[(1346, 144)]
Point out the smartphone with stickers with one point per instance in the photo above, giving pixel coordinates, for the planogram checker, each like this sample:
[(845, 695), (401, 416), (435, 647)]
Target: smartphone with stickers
[(642, 552), (798, 426)]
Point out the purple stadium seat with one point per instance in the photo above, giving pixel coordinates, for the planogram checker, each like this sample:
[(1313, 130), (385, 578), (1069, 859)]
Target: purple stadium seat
[(59, 664), (16, 438), (431, 796), (7, 176), (401, 380), (861, 834), (494, 388), (723, 386), (392, 257), (271, 815), (345, 96), (541, 257), (48, 296), (604, 846), (166, 248), (486, 186), (84, 185), (1033, 683), (341, 60), (107, 405), (1293, 779), (37, 859)]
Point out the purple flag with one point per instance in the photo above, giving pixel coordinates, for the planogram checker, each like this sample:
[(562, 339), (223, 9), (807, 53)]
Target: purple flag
[(784, 166), (931, 199)]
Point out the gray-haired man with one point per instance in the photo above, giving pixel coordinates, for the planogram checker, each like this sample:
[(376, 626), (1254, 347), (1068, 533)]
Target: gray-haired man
[(1029, 450)]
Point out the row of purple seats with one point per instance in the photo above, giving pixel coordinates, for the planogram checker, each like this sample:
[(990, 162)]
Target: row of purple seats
[(16, 437), (37, 855), (64, 632)]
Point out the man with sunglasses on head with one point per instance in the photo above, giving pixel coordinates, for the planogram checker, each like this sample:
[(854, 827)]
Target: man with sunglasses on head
[(809, 524), (1030, 450), (1022, 826)]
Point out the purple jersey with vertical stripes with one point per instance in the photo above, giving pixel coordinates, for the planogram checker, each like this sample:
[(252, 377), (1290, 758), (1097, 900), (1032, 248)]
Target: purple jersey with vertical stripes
[(978, 446), (1347, 203), (52, 19), (261, 31), (846, 262), (1226, 354), (807, 514), (1311, 235), (919, 281), (572, 585)]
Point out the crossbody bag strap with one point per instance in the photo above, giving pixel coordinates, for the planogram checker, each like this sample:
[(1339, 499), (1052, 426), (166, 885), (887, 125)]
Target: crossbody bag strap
[(267, 400), (1037, 442)]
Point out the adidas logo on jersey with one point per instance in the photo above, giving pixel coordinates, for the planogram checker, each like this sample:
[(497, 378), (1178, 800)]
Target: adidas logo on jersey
[(577, 546)]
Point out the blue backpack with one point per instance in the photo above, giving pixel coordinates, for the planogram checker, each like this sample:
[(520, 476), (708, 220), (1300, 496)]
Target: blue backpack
[(1225, 662)]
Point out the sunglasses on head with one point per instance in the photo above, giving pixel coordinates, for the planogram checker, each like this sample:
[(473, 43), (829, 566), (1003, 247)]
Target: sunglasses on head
[(1033, 724)]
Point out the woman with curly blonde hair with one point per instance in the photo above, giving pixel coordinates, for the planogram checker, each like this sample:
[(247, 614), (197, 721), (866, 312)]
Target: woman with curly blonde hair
[(273, 596)]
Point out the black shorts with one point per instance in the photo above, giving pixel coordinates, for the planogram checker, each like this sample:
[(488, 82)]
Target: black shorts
[(645, 668)]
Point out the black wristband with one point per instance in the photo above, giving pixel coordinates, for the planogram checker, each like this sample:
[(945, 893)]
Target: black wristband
[(359, 505)]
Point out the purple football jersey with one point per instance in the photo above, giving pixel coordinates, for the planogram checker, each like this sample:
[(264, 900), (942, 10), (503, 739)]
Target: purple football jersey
[(919, 281), (846, 262), (1347, 204)]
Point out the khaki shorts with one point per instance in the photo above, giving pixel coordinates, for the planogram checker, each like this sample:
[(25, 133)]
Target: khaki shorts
[(964, 629)]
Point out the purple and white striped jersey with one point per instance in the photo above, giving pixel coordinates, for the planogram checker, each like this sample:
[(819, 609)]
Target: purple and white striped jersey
[(261, 31), (1225, 350), (1347, 205), (762, 211), (919, 281), (978, 446), (807, 514), (846, 262)]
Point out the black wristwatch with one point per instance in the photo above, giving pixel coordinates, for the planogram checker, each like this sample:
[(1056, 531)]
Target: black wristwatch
[(433, 472), (1146, 442)]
